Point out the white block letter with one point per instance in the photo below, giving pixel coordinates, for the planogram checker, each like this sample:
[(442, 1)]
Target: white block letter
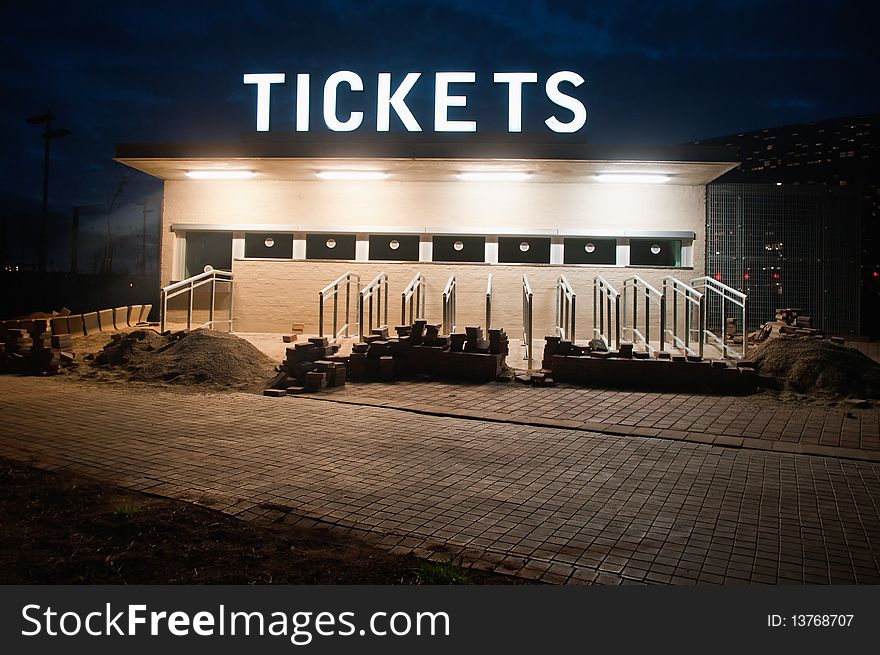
[(397, 100), (572, 104), (24, 615), (302, 102), (264, 82), (356, 117), (514, 96), (443, 101), (134, 618)]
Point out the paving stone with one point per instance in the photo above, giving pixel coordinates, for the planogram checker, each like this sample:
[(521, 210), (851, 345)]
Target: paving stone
[(602, 508)]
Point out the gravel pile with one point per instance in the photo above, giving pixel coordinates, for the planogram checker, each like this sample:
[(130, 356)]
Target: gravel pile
[(202, 358), (818, 367)]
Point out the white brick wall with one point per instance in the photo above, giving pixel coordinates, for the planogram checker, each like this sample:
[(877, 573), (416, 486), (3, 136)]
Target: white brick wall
[(573, 208), (270, 295)]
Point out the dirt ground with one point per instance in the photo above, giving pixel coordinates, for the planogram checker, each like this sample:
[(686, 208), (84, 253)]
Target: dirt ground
[(61, 528), (817, 370), (200, 359)]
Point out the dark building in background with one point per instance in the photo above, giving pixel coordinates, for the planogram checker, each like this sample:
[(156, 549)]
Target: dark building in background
[(796, 224), (788, 246)]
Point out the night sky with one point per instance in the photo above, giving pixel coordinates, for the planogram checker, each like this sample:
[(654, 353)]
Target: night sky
[(669, 72)]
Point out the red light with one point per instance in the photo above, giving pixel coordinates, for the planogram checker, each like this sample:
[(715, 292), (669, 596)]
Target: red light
[(746, 276), (776, 276), (876, 274), (717, 276)]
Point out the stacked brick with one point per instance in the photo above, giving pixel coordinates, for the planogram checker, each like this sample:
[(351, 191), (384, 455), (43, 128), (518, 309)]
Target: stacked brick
[(36, 351), (310, 366), (420, 349), (788, 321), (295, 331), (629, 369), (558, 346)]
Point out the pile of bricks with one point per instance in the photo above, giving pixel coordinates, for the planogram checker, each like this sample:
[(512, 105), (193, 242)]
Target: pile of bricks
[(421, 349), (557, 346), (35, 351), (309, 367), (731, 334), (789, 321), (295, 331), (629, 369), (418, 349)]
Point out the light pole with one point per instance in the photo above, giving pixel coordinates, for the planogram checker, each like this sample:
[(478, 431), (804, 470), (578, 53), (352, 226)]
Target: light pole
[(144, 204), (48, 134)]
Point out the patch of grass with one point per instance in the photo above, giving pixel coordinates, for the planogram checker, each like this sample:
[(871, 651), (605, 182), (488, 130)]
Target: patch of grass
[(443, 573), (126, 510)]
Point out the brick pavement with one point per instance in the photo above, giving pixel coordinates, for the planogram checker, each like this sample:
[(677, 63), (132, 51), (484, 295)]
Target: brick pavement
[(562, 505), (758, 422)]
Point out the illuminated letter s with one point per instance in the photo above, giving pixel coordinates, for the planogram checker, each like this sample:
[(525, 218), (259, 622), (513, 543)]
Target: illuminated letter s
[(572, 104)]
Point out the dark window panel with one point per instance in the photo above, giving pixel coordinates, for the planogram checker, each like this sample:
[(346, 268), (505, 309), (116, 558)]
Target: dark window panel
[(655, 252), (589, 250), (330, 246), (394, 247), (208, 249), (268, 246), (459, 249), (524, 250)]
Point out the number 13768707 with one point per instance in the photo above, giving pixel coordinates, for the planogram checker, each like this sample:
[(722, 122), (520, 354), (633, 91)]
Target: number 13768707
[(810, 621)]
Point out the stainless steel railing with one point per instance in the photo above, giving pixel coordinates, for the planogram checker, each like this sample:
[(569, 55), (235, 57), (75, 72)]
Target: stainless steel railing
[(412, 300), (352, 282), (371, 306), (688, 307), (489, 302), (722, 297), (527, 298), (188, 286), (566, 308), (449, 306), (606, 312), (643, 297)]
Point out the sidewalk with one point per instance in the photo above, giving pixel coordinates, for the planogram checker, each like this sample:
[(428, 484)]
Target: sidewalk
[(757, 422), (561, 505)]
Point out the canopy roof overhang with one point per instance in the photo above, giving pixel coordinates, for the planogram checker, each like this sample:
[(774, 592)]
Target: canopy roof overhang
[(301, 159)]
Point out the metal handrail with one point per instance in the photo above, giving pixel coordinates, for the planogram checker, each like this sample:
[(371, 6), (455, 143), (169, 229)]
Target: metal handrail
[(640, 289), (332, 291), (449, 306), (713, 288), (377, 288), (606, 311), (189, 285), (527, 297), (693, 300), (489, 302), (566, 306), (413, 299)]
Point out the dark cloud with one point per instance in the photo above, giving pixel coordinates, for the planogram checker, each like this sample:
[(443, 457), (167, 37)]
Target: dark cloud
[(656, 71)]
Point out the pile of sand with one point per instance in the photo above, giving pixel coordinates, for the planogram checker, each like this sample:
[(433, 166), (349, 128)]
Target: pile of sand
[(818, 368), (203, 358)]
